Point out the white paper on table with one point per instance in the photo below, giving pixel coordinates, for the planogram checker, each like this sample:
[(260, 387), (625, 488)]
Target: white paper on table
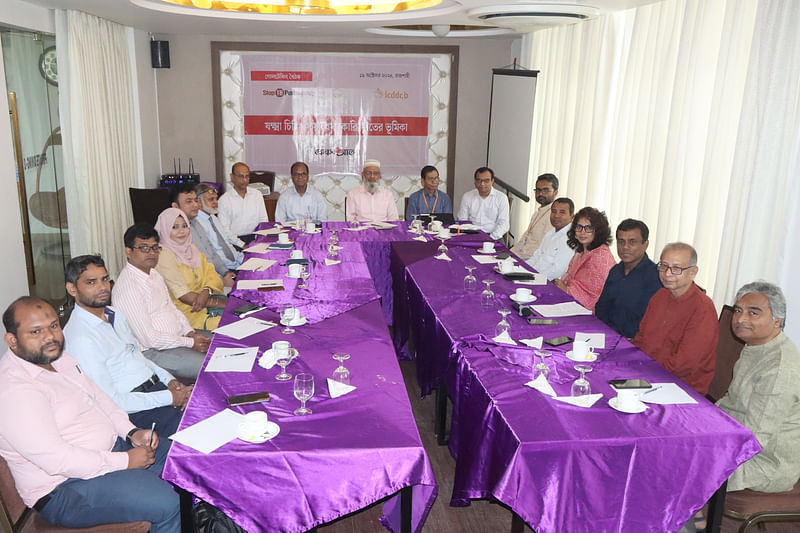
[(469, 227), (485, 259), (442, 257), (666, 394), (538, 279), (533, 343), (593, 340), (271, 231), (211, 433), (337, 388), (562, 309), (254, 284), (542, 385), (244, 327), (232, 360), (256, 263), (329, 262), (260, 248), (420, 238), (382, 225), (504, 338), (587, 400), (358, 228)]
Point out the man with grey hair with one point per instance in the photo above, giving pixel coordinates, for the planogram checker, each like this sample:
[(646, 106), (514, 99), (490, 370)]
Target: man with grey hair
[(369, 202), (679, 328), (764, 394)]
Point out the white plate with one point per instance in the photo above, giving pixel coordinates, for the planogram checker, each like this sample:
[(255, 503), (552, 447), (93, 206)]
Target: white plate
[(295, 323), (482, 251), (591, 357), (527, 300), (292, 277), (638, 407), (272, 431)]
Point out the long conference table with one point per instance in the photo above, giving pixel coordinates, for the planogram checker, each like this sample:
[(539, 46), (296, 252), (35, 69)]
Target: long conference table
[(559, 467)]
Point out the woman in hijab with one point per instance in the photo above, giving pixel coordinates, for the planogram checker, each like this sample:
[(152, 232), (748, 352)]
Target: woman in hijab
[(194, 285)]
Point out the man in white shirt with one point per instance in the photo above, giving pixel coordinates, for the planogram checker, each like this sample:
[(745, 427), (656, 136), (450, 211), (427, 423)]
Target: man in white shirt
[(545, 192), (553, 256), (485, 206), (369, 202), (301, 200), (242, 209)]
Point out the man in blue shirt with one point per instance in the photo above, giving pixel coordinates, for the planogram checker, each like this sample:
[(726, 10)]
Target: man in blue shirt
[(630, 283), (429, 199), (98, 336)]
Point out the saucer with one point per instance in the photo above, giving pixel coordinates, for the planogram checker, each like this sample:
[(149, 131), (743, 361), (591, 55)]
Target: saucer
[(292, 277), (270, 433), (482, 251), (590, 358), (527, 300), (638, 407), (295, 323)]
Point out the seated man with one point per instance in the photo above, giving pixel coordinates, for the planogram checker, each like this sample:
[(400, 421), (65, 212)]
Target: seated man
[(242, 209), (142, 295), (209, 204), (545, 192), (630, 283), (369, 202), (74, 455), (765, 392), (554, 254), (484, 206), (679, 328), (301, 200), (429, 200), (99, 338), (206, 235)]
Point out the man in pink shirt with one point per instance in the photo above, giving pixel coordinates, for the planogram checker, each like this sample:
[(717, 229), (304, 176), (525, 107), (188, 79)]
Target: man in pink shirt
[(74, 455), (369, 202)]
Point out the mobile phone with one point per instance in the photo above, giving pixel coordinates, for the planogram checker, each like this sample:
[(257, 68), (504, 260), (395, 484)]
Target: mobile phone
[(630, 384), (558, 341), (244, 399), (542, 321), (503, 255), (245, 308)]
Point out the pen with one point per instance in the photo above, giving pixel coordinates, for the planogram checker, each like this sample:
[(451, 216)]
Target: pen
[(651, 390), (152, 431)]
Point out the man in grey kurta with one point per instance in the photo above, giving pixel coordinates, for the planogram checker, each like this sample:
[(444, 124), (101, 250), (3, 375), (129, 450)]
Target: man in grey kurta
[(765, 392)]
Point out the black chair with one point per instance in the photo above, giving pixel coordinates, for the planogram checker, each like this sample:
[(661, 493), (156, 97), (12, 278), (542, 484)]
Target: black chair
[(728, 350), (147, 204), (267, 177), (748, 509)]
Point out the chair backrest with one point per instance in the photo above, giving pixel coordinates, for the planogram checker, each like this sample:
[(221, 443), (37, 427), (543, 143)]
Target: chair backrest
[(12, 504), (728, 350), (266, 177), (147, 204), (405, 209), (271, 203)]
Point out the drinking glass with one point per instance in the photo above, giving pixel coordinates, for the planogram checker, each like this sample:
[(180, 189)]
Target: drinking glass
[(334, 238), (284, 357), (287, 315), (581, 386), (487, 296), (332, 251), (303, 391), (541, 367), (304, 275), (442, 248), (470, 281), (503, 325), (341, 374), (416, 224)]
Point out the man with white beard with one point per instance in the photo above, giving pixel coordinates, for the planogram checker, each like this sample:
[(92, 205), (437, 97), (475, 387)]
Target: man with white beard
[(209, 204), (369, 202)]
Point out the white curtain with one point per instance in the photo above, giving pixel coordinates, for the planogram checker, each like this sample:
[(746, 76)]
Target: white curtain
[(98, 128), (638, 115)]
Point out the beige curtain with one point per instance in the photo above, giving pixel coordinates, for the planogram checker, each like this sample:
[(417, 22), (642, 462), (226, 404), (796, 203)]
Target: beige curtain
[(98, 123)]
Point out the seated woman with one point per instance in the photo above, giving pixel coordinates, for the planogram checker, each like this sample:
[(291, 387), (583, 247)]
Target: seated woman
[(194, 285), (589, 236)]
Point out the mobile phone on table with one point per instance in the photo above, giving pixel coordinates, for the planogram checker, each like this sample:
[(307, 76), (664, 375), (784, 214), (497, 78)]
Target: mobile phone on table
[(558, 341), (622, 384), (245, 308), (244, 399), (542, 321)]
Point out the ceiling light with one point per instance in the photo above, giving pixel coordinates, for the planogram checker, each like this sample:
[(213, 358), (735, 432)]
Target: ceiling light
[(309, 7)]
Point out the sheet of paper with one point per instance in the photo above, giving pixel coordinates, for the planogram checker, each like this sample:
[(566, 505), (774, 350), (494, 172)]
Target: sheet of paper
[(485, 259), (260, 248), (667, 394), (538, 279), (580, 401), (211, 433), (542, 385), (593, 340), (504, 338), (253, 284), (382, 225), (256, 263), (232, 360), (471, 227), (442, 257), (271, 231), (329, 262), (533, 343), (562, 309), (358, 228), (244, 328), (336, 389)]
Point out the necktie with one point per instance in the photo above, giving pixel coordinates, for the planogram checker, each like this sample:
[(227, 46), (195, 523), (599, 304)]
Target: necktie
[(222, 241), (109, 315)]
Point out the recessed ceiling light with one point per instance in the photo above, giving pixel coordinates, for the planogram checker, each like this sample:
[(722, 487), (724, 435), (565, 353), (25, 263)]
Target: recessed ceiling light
[(309, 7)]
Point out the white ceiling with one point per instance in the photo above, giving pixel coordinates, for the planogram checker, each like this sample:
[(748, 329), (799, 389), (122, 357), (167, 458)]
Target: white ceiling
[(160, 22)]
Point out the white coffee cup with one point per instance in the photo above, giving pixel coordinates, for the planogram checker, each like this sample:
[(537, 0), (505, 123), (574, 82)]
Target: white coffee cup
[(522, 294), (581, 349), (444, 234), (296, 254), (283, 238), (435, 225), (488, 247), (295, 270), (255, 422), (628, 399), (506, 266)]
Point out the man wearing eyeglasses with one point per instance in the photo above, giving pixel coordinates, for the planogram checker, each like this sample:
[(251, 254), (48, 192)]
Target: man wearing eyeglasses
[(545, 192), (141, 294), (301, 200), (429, 200), (679, 328), (242, 209), (369, 202), (485, 206)]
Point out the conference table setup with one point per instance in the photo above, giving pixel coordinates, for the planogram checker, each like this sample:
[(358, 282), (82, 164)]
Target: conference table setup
[(534, 426)]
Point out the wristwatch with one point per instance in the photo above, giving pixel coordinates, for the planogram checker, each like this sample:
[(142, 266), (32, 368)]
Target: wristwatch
[(130, 435)]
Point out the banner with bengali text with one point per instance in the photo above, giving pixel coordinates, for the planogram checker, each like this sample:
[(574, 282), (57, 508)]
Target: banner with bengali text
[(336, 111)]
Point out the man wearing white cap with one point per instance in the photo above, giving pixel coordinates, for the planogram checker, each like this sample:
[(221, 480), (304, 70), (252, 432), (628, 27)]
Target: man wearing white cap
[(369, 202)]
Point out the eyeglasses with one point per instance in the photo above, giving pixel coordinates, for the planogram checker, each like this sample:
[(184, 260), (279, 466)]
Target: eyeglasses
[(587, 228), (546, 189), (484, 180), (146, 248), (674, 270), (431, 178)]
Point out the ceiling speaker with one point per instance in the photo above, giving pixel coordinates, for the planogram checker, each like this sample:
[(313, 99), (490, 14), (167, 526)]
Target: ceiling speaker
[(159, 54)]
